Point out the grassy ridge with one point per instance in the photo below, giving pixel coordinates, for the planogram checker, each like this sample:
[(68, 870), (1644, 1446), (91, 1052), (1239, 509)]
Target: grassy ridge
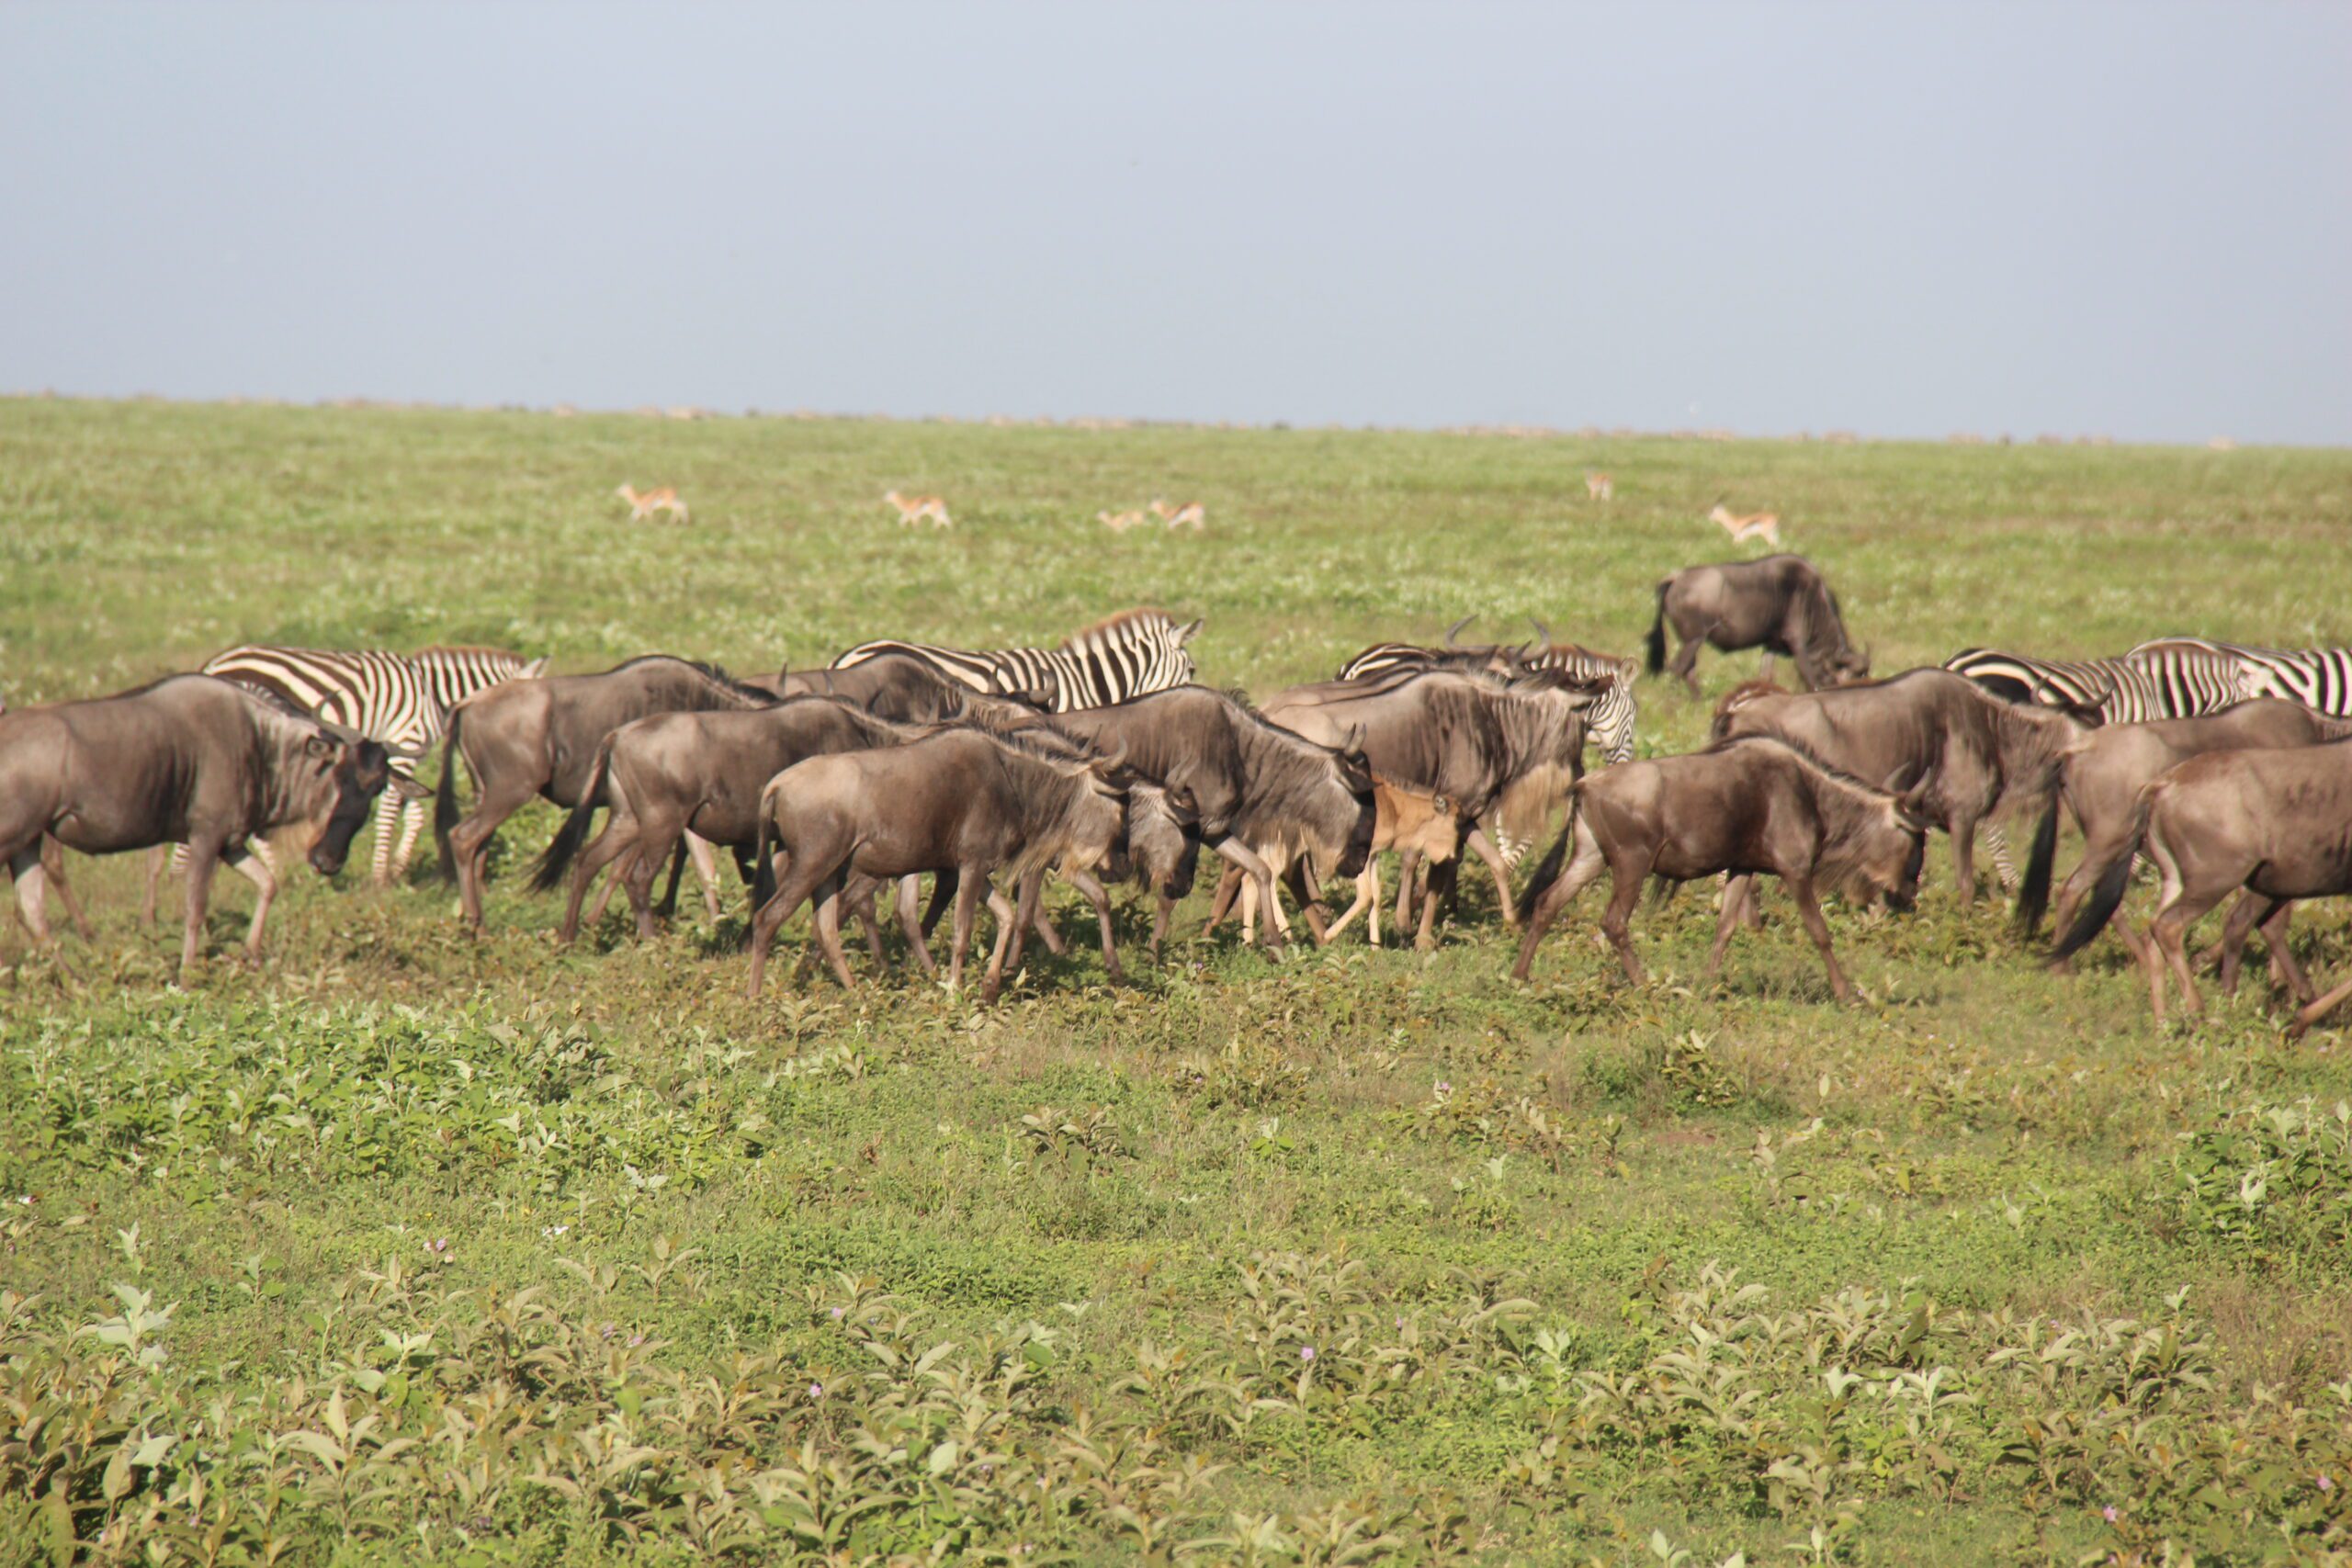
[(1503, 1219)]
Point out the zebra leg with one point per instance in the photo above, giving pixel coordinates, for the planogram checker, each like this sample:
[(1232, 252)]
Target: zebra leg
[(1485, 851), (412, 825), (158, 859), (1996, 844), (379, 863)]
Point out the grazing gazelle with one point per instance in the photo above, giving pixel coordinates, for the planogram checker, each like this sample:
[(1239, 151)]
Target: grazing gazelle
[(1191, 512), (1599, 486), (1764, 525), (913, 509), (640, 507), (1119, 522)]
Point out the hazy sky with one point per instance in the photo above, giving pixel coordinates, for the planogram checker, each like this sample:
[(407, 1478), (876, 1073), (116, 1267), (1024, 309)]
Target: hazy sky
[(1907, 220)]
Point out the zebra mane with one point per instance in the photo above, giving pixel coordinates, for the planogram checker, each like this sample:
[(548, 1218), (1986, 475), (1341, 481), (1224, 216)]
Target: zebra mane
[(1145, 618), (460, 650)]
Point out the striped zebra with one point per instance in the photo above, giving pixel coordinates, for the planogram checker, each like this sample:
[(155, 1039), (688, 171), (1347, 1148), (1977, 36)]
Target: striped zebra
[(2319, 678), (2174, 678), (402, 700), (1610, 721), (1133, 653)]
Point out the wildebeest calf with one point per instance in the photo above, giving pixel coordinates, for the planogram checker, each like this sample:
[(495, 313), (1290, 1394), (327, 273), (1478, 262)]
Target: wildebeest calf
[(1749, 807), (1411, 822)]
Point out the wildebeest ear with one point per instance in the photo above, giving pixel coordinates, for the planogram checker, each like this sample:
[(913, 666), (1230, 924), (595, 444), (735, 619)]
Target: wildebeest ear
[(1913, 802), (1186, 632), (1181, 802), (407, 788)]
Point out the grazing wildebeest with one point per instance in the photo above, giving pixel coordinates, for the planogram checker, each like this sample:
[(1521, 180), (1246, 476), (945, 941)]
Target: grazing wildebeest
[(1975, 754), (958, 800), (2100, 783), (1779, 603), (540, 737), (188, 759), (2277, 822), (1486, 746), (1260, 790), (1750, 808), (1413, 823)]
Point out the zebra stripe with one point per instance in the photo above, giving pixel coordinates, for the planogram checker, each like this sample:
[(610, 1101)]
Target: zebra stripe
[(1610, 721), (2319, 678), (401, 700), (1129, 655)]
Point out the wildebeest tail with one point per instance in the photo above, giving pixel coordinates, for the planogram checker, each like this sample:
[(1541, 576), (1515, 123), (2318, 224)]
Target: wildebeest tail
[(1658, 629), (2113, 877), (2033, 891), (445, 798), (762, 863), (547, 872)]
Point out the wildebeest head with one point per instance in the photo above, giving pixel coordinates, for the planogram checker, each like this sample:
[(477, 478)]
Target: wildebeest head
[(1886, 863), (1848, 665), (1163, 838), (338, 774)]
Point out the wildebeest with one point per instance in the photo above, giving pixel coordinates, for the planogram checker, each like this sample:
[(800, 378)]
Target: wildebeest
[(1611, 721), (1779, 603), (2100, 780), (958, 800), (1260, 790), (52, 865), (1749, 807), (896, 686), (540, 737), (1966, 753), (2277, 822), (1511, 748), (188, 759), (1412, 822)]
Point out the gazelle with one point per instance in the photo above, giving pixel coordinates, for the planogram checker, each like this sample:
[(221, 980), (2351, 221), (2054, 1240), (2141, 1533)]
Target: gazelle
[(1764, 525), (1176, 517), (642, 506), (1599, 486), (1119, 522), (913, 509)]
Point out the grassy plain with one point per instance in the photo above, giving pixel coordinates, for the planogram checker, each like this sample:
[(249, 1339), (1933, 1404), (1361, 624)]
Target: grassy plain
[(422, 1249)]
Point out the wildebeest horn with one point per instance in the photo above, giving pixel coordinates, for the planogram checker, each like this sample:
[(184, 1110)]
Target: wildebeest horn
[(341, 732), (1543, 632), (1109, 761), (1455, 630)]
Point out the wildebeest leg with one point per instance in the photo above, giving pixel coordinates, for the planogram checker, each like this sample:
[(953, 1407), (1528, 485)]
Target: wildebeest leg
[(1764, 671), (2318, 1010), (1367, 898), (470, 843), (1727, 922), (1310, 903), (254, 870), (1010, 924), (828, 921), (1160, 919), (859, 894), (1686, 659), (201, 858), (1809, 911), (52, 867), (1740, 899), (2229, 954), (1408, 866), (158, 859), (707, 872), (1963, 856), (1094, 895), (969, 881), (634, 875), (1584, 863), (620, 836), (2283, 966), (910, 896), (1626, 879), (1229, 888), (1487, 852), (32, 890), (795, 882), (1238, 853), (668, 909)]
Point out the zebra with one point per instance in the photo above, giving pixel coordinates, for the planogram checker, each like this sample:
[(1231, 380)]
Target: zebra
[(1610, 721), (1130, 655), (402, 700), (2319, 678), (2173, 678)]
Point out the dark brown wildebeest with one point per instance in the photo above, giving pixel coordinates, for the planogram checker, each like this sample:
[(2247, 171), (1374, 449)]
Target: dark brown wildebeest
[(957, 800), (1487, 747), (540, 737), (898, 686), (1266, 796), (1779, 603), (2277, 822), (1973, 753), (188, 759), (2099, 783), (1749, 807), (52, 865)]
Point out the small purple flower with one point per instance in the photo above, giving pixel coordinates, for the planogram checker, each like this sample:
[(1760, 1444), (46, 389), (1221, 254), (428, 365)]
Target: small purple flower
[(816, 1391), (2108, 1513), (635, 1340), (837, 1313), (1444, 1085), (2326, 1484), (1400, 1325), (1306, 1353)]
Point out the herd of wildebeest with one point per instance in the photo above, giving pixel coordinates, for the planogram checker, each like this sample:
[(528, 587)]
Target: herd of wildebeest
[(1106, 761)]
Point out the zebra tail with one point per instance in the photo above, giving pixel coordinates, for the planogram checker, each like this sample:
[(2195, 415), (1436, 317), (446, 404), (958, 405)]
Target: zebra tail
[(547, 872), (1658, 631), (2033, 891), (2113, 878), (445, 798)]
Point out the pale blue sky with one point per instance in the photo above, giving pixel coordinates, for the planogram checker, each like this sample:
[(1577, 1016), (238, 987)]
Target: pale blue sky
[(2133, 219)]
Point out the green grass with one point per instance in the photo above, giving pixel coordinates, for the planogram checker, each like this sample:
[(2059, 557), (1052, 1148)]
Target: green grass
[(1502, 1216)]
